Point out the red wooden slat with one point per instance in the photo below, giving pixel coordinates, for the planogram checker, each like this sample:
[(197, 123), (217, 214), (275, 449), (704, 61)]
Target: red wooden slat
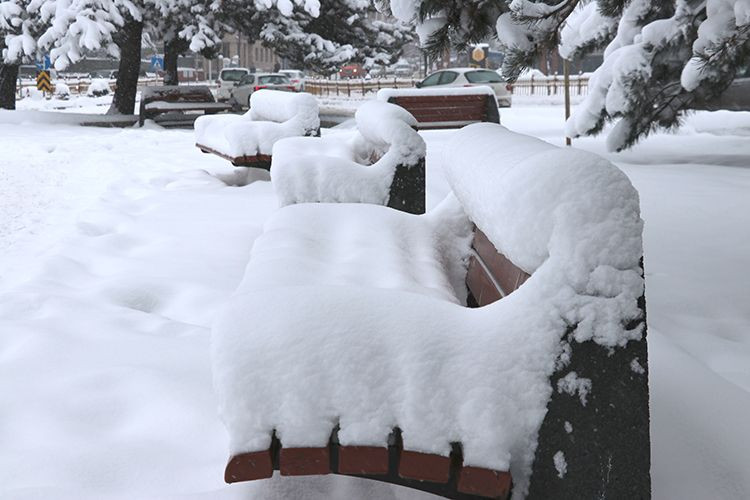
[(304, 461), (249, 466), (484, 482), (424, 467), (363, 460), (479, 283), (506, 274)]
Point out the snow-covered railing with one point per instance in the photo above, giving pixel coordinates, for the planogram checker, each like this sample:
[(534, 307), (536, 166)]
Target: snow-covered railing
[(538, 86), (346, 348), (552, 85), (355, 87), (81, 85)]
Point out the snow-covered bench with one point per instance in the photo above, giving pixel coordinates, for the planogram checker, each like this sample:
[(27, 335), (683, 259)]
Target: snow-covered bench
[(247, 140), (348, 348), (446, 107), (381, 162), (168, 105)]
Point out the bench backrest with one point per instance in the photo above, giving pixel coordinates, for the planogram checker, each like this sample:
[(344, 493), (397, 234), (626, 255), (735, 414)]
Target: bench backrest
[(446, 108), (491, 275), (176, 93)]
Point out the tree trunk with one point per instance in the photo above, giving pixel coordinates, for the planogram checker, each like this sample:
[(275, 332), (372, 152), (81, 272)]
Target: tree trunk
[(129, 41), (171, 53), (8, 82)]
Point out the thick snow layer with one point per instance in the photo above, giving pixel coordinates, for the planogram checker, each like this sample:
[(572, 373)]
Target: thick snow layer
[(273, 115), (101, 401), (351, 166), (375, 305), (351, 299), (584, 26), (385, 94), (724, 19), (540, 204)]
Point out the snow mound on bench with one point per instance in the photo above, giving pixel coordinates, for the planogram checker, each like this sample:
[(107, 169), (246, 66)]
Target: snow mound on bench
[(343, 319), (274, 115), (340, 168), (348, 315), (538, 203)]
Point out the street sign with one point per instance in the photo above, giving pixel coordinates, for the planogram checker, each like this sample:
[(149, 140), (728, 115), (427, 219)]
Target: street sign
[(157, 62), (43, 82), (478, 54)]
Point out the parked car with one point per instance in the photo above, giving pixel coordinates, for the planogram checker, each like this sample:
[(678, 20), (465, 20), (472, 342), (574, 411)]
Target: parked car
[(256, 81), (228, 79), (352, 71), (470, 77), (297, 78)]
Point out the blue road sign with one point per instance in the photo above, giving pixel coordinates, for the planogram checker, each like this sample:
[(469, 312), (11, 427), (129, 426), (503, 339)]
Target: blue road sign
[(157, 62)]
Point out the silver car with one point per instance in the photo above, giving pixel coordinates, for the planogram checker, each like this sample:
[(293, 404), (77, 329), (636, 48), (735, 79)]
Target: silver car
[(228, 79), (255, 81), (297, 78), (470, 77)]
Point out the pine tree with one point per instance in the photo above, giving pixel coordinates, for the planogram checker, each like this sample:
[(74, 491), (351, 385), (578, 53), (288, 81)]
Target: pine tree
[(344, 31), (661, 58), (21, 22)]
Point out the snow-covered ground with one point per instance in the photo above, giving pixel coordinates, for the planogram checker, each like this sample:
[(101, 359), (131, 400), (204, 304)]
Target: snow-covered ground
[(119, 245)]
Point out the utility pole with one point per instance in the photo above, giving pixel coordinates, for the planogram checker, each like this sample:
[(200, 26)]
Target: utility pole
[(566, 78)]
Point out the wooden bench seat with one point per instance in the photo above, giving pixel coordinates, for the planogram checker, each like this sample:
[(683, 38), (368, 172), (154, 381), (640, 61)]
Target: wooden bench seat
[(167, 105), (359, 289), (451, 109)]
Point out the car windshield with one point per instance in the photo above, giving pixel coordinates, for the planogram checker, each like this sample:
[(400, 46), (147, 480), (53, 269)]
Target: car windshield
[(273, 80), (232, 75), (483, 77)]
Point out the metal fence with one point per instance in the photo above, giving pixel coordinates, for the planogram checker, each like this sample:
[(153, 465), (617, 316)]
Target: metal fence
[(531, 86)]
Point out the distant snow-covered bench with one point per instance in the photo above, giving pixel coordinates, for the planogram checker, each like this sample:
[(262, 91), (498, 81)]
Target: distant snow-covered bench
[(440, 108), (247, 140), (171, 105), (348, 348), (381, 162)]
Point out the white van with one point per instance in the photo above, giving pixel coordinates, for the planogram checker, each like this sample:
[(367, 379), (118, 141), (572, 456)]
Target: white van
[(228, 79)]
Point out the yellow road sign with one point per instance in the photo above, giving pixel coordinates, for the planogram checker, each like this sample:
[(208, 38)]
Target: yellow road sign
[(478, 54), (43, 81)]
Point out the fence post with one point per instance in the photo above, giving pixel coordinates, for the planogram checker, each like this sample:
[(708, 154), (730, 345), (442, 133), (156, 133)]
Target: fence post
[(363, 87), (395, 82), (337, 87), (532, 84), (348, 88)]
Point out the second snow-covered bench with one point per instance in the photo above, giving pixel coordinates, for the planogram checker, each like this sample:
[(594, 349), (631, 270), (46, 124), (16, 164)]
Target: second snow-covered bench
[(348, 348), (381, 162), (247, 140)]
